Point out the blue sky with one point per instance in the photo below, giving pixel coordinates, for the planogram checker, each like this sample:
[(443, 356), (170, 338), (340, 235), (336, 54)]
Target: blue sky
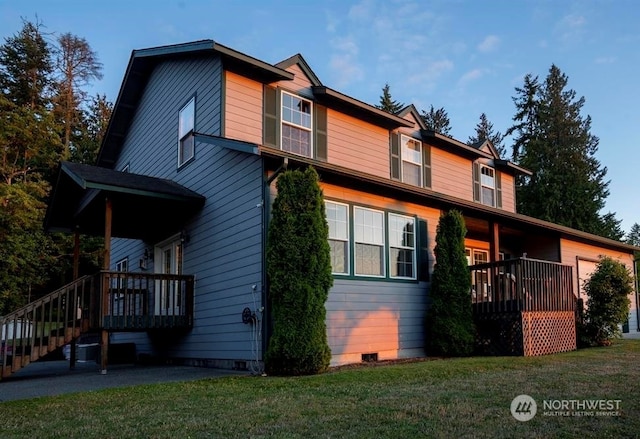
[(464, 55)]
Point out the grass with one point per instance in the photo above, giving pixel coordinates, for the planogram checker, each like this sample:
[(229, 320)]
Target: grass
[(462, 398)]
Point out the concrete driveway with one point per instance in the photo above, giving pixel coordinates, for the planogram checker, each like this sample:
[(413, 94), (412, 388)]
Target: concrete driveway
[(50, 378)]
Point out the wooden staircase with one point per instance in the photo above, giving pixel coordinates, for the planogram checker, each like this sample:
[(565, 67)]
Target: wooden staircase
[(45, 325)]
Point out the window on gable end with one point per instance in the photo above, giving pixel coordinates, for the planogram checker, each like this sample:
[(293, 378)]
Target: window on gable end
[(296, 127), (186, 128), (410, 161), (486, 185)]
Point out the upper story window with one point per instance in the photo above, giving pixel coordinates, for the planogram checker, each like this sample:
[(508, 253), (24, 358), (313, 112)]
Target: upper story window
[(294, 124), (486, 185), (186, 125), (338, 221), (410, 160)]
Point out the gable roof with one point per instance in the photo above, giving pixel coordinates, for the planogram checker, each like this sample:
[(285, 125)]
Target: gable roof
[(486, 143), (411, 109), (298, 59), (77, 202), (141, 64)]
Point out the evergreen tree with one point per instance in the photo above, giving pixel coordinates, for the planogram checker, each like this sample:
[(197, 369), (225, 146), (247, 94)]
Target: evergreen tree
[(437, 120), (94, 126), (484, 131), (77, 65), (554, 142), (387, 103), (633, 237), (299, 271), (449, 320), (25, 67)]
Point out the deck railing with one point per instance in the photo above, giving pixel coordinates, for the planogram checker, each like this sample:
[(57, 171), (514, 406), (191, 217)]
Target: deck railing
[(522, 285)]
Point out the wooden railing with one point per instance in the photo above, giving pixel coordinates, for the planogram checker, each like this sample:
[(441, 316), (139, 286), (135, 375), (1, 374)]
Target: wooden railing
[(113, 301), (46, 324), (522, 285), (140, 301)]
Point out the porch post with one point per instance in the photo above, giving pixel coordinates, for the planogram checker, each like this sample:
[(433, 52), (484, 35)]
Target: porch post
[(106, 264), (76, 274), (494, 242)]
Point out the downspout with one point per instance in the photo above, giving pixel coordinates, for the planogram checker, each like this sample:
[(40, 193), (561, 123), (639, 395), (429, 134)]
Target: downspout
[(266, 215)]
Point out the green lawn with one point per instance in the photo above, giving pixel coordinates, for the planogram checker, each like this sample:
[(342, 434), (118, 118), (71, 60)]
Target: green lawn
[(453, 398)]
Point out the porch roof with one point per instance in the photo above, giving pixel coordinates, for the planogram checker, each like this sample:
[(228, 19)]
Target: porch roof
[(143, 207)]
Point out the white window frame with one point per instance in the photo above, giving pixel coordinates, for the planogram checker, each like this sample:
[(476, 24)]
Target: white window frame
[(406, 152), (334, 223), (370, 235), (186, 128), (400, 246), (489, 182), (299, 126), (122, 266)]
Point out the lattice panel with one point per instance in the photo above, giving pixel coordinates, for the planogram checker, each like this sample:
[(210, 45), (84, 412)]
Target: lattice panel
[(499, 334), (548, 332)]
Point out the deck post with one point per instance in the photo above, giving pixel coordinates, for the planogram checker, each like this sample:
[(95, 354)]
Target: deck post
[(106, 264), (76, 274)]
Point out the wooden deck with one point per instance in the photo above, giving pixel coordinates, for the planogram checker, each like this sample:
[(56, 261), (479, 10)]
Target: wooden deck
[(523, 307)]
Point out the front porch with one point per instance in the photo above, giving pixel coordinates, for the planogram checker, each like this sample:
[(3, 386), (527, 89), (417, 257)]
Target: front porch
[(523, 307), (106, 302)]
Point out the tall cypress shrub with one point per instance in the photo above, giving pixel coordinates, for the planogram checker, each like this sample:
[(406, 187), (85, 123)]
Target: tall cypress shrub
[(449, 328), (299, 271)]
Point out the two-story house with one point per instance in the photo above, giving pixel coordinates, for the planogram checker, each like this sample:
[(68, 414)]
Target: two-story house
[(186, 175)]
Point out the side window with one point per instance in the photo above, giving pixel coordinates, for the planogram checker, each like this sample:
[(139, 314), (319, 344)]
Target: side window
[(338, 221), (369, 242), (122, 266), (410, 160), (186, 126), (402, 247)]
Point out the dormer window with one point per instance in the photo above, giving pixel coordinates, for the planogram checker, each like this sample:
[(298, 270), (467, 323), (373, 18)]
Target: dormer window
[(486, 185), (296, 125), (410, 160)]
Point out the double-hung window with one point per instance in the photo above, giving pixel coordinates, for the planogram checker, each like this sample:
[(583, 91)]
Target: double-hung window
[(369, 242), (402, 246), (122, 266), (296, 125), (488, 185), (186, 127), (338, 221), (411, 160)]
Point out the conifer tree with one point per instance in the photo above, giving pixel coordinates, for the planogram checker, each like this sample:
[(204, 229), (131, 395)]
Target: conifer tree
[(387, 103), (299, 271), (484, 131), (437, 120), (554, 141), (449, 320)]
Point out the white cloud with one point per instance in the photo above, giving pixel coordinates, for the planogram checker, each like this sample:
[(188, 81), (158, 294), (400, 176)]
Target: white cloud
[(345, 70), (489, 44), (472, 75), (605, 60)]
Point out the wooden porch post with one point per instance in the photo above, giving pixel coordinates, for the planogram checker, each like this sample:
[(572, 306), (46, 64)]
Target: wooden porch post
[(76, 274), (494, 242), (106, 264)]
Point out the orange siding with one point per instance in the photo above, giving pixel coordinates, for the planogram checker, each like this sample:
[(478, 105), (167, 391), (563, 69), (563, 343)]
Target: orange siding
[(299, 84), (571, 250), (357, 145), (508, 195), (243, 109), (451, 174)]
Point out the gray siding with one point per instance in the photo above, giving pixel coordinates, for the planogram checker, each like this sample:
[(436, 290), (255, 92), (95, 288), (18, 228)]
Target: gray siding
[(224, 250), (375, 317)]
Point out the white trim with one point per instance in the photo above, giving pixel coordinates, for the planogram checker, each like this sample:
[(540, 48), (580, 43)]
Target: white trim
[(182, 135), (295, 125), (404, 139)]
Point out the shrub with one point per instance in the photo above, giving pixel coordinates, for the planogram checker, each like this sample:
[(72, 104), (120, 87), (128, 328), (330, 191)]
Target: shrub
[(608, 291), (299, 271), (449, 328)]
